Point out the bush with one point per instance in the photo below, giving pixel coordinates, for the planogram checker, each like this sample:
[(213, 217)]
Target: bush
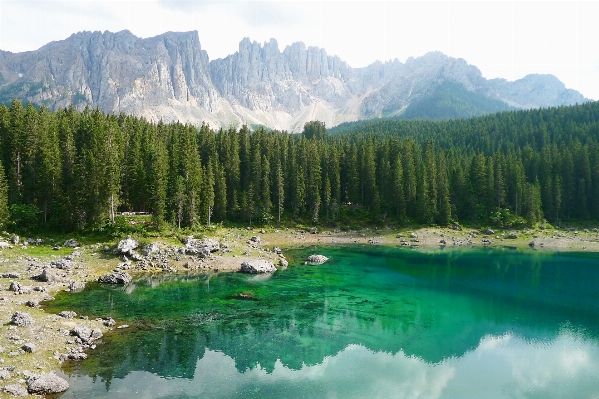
[(24, 217)]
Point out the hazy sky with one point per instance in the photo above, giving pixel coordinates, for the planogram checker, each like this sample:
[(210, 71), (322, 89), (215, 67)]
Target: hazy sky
[(507, 39)]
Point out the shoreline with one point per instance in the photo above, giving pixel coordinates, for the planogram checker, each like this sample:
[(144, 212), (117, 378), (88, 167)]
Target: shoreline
[(51, 334)]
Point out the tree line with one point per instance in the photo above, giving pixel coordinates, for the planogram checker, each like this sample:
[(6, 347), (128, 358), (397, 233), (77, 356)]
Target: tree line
[(70, 170)]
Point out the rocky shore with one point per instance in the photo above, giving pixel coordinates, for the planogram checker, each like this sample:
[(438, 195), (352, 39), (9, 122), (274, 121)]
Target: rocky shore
[(34, 343)]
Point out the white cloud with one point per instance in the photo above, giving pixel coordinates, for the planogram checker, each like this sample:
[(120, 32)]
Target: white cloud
[(500, 367), (505, 39)]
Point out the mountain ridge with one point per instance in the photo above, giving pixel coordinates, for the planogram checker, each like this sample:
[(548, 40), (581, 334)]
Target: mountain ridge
[(170, 77)]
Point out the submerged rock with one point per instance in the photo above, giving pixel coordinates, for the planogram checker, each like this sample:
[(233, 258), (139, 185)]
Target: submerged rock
[(47, 384), (256, 266), (317, 259), (116, 278)]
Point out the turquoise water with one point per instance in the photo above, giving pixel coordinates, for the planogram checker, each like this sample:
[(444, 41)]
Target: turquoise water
[(373, 322)]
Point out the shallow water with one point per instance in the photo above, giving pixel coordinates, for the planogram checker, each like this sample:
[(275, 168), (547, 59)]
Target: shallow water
[(372, 322)]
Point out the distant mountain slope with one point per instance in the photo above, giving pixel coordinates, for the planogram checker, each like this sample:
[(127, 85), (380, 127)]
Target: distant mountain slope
[(451, 100), (170, 77)]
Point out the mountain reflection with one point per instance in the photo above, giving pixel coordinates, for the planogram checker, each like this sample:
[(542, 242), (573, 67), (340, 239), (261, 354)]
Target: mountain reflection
[(428, 306)]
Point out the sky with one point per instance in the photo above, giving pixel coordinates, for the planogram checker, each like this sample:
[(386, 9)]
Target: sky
[(504, 39)]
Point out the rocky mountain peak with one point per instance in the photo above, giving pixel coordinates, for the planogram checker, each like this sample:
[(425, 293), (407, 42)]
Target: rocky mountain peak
[(170, 77)]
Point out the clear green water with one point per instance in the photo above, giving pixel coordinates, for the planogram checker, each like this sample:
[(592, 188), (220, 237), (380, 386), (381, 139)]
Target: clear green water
[(371, 323)]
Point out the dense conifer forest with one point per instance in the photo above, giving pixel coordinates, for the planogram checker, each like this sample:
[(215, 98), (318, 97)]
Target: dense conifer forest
[(69, 170)]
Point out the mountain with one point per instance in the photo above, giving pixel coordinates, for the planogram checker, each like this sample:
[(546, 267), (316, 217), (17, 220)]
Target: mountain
[(170, 77)]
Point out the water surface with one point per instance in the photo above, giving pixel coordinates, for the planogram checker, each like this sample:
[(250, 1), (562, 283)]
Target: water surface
[(372, 322)]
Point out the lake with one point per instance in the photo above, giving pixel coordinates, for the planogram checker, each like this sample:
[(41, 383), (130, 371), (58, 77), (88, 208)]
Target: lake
[(373, 322)]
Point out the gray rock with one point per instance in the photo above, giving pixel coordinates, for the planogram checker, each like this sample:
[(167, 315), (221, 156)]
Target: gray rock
[(71, 243), (21, 319), (116, 278), (67, 314), (17, 287), (29, 347), (76, 286), (317, 259), (15, 239), (283, 263), (5, 245), (11, 275), (255, 239), (48, 276), (32, 303), (109, 322), (47, 384), (202, 248), (63, 263), (313, 230), (256, 266), (127, 246), (512, 236), (4, 374), (86, 334), (149, 249), (16, 390)]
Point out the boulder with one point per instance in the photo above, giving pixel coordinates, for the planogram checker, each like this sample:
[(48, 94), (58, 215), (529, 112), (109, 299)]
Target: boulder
[(67, 314), (29, 347), (317, 259), (127, 246), (86, 334), (48, 276), (256, 266), (16, 390), (63, 263), (15, 239), (255, 239), (21, 319), (512, 236), (76, 286), (313, 230), (46, 384), (4, 374), (10, 275), (5, 245), (202, 248), (19, 288), (149, 249), (283, 263), (71, 243), (116, 278)]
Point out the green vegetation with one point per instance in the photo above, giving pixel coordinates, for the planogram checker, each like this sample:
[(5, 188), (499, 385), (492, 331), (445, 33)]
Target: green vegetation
[(70, 170), (451, 100)]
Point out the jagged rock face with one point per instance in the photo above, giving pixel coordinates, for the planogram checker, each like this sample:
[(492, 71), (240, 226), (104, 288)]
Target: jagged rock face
[(170, 77), (118, 72)]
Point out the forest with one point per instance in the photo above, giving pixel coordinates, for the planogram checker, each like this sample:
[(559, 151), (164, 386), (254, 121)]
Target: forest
[(70, 170)]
